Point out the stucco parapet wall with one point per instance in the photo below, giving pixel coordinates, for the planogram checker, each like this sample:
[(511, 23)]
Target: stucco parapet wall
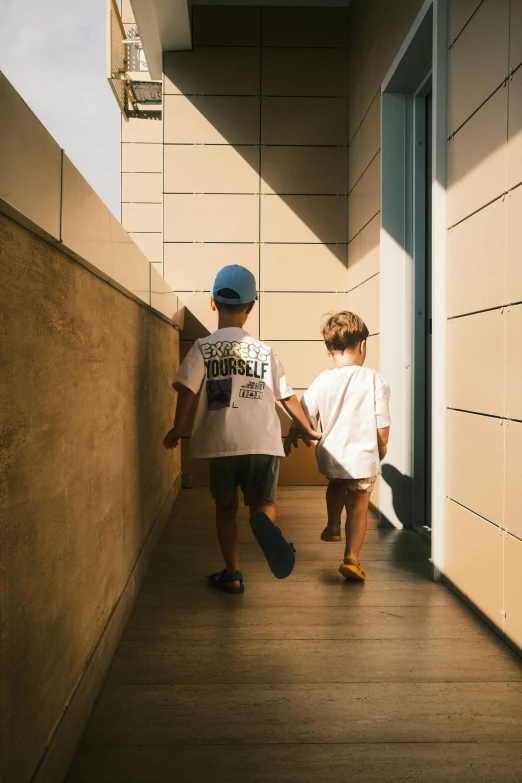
[(41, 189)]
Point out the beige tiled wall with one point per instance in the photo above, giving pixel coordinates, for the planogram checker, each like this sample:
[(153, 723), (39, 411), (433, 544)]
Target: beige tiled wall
[(142, 177), (484, 291), (256, 173)]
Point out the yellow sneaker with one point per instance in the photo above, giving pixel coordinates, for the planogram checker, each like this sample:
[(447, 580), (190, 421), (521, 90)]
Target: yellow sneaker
[(352, 570), (326, 536)]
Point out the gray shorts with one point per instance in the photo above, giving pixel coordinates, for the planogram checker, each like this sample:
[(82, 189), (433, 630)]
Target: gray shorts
[(256, 474)]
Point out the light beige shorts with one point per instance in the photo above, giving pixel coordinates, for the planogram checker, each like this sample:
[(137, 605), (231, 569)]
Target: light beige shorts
[(357, 485)]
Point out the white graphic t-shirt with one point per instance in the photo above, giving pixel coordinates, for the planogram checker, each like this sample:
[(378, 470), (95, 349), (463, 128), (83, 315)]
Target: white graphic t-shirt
[(352, 403), (239, 380)]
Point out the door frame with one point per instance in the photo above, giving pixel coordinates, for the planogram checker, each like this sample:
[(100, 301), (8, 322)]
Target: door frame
[(425, 48)]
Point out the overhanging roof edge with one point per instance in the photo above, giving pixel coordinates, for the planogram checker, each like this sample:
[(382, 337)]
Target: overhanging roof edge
[(164, 26)]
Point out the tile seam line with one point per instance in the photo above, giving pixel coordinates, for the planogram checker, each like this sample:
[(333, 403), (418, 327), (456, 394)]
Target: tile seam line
[(350, 191), (500, 197), (248, 95), (358, 128), (493, 309), (503, 84), (485, 519), (365, 226), (465, 25), (486, 415)]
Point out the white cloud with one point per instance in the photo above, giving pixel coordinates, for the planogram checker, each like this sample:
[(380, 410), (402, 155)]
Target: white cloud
[(54, 54)]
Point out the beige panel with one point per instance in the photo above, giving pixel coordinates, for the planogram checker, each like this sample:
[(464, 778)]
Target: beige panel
[(514, 362), (459, 13), (475, 463), (513, 517), (86, 221), (365, 301), (310, 72), (211, 120), (303, 219), (291, 267), (373, 356), (142, 187), (304, 169), (514, 152), (515, 42), (226, 26), (191, 266), (127, 14), (212, 71), (386, 39), (303, 360), (478, 62), (366, 142), (326, 27), (148, 131), (142, 157), (468, 541), (151, 245), (364, 253), (211, 169), (476, 363), (209, 218), (364, 200), (304, 121), (477, 160), (513, 604), (476, 261), (200, 320), (162, 298), (295, 316), (142, 217), (30, 163), (131, 269), (300, 468), (514, 246)]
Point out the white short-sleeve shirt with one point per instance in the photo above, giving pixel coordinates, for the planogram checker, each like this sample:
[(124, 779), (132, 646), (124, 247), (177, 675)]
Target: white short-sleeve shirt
[(238, 379), (352, 403)]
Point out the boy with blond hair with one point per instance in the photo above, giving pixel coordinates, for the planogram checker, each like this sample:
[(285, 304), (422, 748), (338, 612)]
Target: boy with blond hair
[(351, 403), (235, 380)]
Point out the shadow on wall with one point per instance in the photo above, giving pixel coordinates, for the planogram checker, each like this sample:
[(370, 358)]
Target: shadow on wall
[(402, 493)]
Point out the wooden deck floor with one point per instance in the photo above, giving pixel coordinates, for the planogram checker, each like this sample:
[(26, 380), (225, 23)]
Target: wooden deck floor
[(308, 680)]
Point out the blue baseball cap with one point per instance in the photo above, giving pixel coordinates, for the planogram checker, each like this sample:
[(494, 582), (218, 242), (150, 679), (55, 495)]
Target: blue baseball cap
[(238, 279)]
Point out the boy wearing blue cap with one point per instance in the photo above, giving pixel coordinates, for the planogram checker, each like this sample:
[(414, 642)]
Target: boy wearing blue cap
[(235, 381)]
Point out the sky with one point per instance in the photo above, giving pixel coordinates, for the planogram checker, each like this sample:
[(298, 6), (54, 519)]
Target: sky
[(54, 54)]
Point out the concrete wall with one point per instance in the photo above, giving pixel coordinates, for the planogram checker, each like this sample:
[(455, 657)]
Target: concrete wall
[(484, 292), (85, 483), (85, 404)]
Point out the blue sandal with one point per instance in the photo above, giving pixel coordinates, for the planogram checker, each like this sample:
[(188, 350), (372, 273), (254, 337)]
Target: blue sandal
[(221, 578), (280, 555)]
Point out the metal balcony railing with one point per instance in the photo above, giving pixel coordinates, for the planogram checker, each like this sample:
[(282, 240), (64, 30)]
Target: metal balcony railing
[(127, 70)]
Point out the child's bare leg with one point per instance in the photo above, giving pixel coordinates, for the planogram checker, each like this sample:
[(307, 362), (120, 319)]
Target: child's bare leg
[(356, 522), (226, 528), (266, 506), (335, 501)]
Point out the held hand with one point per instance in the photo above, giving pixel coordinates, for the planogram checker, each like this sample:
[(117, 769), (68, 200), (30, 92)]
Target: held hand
[(292, 439), (172, 438)]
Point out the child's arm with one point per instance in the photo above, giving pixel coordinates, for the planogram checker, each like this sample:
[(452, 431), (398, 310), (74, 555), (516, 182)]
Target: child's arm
[(383, 433), (184, 405), (294, 409)]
